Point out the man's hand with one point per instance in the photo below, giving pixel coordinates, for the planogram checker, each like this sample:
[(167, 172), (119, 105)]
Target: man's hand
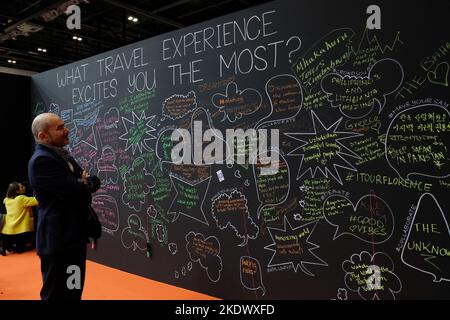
[(92, 182), (84, 176)]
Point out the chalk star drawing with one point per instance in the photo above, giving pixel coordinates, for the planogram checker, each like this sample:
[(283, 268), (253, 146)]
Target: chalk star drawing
[(84, 131), (332, 152), (300, 248), (188, 206), (138, 132)]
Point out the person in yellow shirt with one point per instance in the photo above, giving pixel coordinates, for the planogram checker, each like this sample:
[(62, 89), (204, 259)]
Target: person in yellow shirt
[(18, 224)]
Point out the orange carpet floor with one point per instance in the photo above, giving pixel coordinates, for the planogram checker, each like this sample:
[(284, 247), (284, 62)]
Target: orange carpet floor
[(20, 279)]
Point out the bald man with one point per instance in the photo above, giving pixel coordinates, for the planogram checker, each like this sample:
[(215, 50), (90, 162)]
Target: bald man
[(63, 190)]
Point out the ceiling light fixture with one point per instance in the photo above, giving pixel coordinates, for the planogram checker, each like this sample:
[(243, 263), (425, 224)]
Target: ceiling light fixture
[(134, 19)]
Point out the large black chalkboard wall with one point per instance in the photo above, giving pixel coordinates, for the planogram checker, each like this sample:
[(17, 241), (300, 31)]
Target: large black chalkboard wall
[(354, 203)]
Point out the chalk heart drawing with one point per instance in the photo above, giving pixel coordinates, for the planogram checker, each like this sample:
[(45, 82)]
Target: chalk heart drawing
[(370, 220), (440, 74)]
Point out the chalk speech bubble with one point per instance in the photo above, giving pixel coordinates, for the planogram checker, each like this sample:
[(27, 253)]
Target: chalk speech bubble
[(251, 275), (137, 183), (418, 140), (328, 53), (201, 122), (370, 220), (177, 106), (357, 96), (272, 189), (426, 247), (164, 145), (205, 251), (108, 212), (273, 216), (237, 103), (231, 210), (286, 99), (134, 236), (106, 167), (371, 276)]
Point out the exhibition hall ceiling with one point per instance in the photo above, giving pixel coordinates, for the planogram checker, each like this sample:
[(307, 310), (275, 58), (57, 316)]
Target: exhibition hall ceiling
[(34, 35)]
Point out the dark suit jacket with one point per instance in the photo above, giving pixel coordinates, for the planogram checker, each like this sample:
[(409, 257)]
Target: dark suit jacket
[(63, 201)]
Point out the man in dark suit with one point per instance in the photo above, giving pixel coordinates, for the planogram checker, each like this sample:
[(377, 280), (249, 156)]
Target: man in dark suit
[(63, 190)]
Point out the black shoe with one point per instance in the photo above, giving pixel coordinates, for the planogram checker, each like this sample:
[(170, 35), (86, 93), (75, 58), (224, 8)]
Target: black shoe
[(2, 251), (19, 249)]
